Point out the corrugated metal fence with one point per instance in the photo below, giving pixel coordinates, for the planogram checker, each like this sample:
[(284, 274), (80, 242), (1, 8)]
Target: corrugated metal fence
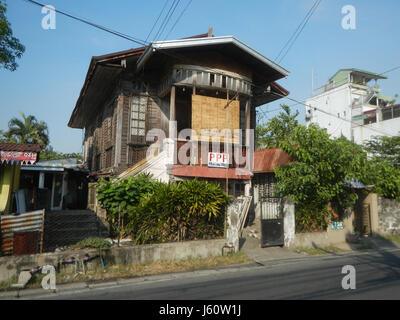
[(19, 225)]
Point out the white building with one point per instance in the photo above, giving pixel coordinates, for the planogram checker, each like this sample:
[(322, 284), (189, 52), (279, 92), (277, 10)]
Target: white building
[(350, 104)]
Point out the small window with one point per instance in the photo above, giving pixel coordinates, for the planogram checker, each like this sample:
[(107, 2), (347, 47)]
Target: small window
[(223, 82), (138, 116)]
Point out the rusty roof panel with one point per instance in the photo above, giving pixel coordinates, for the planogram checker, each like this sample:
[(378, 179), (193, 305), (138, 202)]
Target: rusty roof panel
[(206, 172), (269, 159), (9, 224), (20, 147)]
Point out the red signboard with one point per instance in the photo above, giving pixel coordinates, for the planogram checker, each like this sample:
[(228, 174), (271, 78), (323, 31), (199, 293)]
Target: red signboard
[(17, 156)]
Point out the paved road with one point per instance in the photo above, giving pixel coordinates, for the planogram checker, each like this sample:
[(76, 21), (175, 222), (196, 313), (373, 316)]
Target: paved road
[(377, 277)]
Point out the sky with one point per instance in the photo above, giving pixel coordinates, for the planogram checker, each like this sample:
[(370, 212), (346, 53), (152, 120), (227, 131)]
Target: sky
[(52, 70)]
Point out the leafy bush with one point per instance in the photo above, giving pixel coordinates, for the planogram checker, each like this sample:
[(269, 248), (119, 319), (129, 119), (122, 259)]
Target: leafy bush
[(186, 210), (96, 243), (119, 197)]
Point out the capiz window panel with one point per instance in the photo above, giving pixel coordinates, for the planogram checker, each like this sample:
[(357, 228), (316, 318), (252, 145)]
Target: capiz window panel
[(138, 115)]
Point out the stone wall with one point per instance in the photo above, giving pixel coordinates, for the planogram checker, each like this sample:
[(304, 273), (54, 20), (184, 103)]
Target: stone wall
[(389, 216)]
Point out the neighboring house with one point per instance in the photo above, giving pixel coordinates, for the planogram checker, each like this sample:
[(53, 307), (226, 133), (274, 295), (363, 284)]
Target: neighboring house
[(200, 83), (350, 104), (276, 228), (54, 185), (12, 156)]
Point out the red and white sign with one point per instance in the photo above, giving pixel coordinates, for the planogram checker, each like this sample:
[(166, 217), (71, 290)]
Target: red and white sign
[(11, 156), (218, 160)]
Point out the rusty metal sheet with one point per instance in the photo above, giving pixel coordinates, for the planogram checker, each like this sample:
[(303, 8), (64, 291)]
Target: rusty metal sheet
[(268, 160), (10, 224)]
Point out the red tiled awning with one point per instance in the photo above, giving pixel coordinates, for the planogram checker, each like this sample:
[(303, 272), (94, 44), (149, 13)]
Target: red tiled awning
[(19, 153), (206, 172)]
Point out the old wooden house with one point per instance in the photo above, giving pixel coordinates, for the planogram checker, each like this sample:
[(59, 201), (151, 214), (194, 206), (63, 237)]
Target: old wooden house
[(200, 83)]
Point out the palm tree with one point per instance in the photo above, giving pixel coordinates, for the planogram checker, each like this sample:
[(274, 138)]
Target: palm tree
[(29, 130)]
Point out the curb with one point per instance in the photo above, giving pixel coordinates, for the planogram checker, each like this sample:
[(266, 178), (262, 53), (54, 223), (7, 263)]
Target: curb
[(62, 288)]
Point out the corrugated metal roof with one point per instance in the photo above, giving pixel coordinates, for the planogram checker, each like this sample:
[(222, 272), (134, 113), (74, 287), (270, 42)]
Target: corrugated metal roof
[(32, 221), (20, 147), (269, 159)]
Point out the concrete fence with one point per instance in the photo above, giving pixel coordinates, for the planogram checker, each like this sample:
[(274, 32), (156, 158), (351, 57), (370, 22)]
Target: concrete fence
[(389, 216), (12, 265)]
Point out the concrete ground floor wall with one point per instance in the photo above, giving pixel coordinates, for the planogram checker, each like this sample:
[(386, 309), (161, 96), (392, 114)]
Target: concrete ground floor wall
[(12, 265)]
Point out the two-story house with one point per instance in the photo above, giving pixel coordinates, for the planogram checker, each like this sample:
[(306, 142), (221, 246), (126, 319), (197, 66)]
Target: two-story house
[(188, 91)]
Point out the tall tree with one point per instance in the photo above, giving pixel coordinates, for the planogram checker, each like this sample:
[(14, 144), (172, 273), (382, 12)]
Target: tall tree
[(279, 128), (28, 130), (385, 148), (10, 47)]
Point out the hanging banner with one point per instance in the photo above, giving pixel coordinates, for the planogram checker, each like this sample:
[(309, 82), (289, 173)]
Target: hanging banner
[(17, 156)]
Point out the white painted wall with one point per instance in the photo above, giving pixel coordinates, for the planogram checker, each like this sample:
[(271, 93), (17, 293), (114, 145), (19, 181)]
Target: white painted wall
[(336, 102), (363, 133)]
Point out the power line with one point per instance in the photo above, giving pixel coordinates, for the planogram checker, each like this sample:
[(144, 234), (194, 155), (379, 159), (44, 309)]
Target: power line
[(390, 70), (297, 32), (117, 33), (166, 19), (177, 20), (158, 18)]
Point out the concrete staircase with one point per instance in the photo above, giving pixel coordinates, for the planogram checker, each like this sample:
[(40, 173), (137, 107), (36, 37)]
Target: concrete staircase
[(64, 228), (251, 235)]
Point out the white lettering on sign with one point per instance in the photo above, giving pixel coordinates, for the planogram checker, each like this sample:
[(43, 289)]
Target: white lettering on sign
[(218, 160)]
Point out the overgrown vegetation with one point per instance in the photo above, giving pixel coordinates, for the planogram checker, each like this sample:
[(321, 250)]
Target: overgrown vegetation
[(320, 177), (95, 243), (120, 197), (154, 212), (319, 251)]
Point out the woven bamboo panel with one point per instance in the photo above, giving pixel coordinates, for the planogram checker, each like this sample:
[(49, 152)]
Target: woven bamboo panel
[(212, 113)]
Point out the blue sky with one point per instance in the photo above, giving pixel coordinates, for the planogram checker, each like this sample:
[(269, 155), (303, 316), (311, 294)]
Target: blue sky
[(53, 68)]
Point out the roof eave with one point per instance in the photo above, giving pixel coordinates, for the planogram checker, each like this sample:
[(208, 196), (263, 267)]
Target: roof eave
[(182, 43)]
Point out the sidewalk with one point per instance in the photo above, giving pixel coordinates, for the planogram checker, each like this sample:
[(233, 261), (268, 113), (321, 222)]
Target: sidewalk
[(252, 248)]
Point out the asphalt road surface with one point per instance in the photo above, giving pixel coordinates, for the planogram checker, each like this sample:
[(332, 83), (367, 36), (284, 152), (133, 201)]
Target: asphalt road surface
[(377, 277)]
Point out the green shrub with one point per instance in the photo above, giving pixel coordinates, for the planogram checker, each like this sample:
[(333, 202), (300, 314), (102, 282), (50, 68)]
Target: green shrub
[(186, 210), (119, 197), (96, 243)]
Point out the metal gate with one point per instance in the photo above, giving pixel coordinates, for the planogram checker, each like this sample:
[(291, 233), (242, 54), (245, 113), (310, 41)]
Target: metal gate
[(271, 222), (271, 206)]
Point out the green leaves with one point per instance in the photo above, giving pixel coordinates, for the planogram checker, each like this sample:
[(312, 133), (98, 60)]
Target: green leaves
[(277, 129), (385, 148), (154, 212), (10, 47), (185, 210)]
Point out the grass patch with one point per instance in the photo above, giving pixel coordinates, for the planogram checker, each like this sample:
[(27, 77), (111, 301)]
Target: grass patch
[(319, 251), (129, 271), (364, 246), (393, 238)]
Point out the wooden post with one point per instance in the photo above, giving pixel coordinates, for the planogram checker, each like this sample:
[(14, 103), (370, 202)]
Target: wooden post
[(42, 235), (172, 104), (247, 117)]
